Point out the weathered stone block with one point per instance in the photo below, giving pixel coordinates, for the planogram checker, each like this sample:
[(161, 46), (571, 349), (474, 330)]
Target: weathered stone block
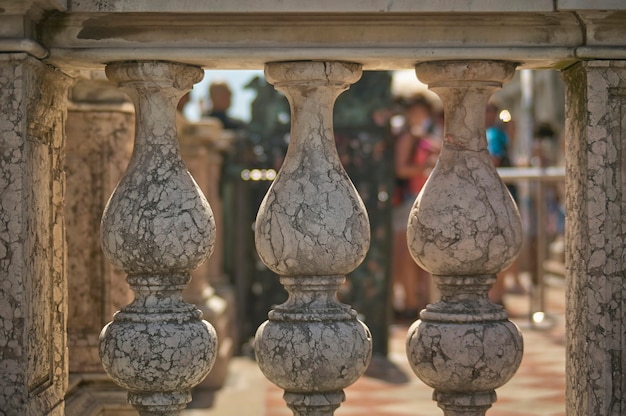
[(33, 359)]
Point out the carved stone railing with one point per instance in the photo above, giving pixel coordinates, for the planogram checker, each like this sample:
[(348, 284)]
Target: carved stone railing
[(43, 39), (156, 227), (464, 228), (312, 229)]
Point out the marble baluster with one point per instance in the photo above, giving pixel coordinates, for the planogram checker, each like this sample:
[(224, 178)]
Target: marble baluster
[(157, 226), (464, 228), (312, 229)]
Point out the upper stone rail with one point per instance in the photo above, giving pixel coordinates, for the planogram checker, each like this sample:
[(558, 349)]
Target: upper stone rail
[(343, 6), (246, 34)]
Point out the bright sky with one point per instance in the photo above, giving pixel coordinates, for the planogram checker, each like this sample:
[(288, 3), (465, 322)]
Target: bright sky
[(241, 99), (404, 83)]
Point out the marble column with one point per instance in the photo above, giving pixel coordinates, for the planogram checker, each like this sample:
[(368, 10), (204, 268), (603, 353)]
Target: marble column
[(33, 355), (464, 228), (312, 229), (157, 226), (202, 147), (100, 132), (595, 135)]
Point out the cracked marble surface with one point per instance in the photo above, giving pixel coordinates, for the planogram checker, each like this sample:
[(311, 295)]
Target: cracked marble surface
[(464, 220), (453, 357), (464, 227), (157, 219), (596, 207), (312, 221), (157, 226), (32, 246), (312, 229), (301, 357)]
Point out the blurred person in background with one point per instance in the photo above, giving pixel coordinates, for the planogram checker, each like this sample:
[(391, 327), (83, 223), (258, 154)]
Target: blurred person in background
[(220, 96), (499, 145), (415, 154)]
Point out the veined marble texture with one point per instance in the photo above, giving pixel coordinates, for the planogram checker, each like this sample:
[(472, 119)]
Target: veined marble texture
[(157, 226), (33, 298), (464, 228), (464, 220), (312, 221), (157, 219), (301, 357), (312, 229), (450, 354), (596, 206)]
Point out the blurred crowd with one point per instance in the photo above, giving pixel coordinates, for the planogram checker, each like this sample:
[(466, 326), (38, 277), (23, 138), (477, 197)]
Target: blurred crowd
[(417, 124), (416, 127)]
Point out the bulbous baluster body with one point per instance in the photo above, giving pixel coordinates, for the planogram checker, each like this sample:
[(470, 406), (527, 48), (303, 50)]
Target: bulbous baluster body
[(157, 226), (464, 228), (312, 229)]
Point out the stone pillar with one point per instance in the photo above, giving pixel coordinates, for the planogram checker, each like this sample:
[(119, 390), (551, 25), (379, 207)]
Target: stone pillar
[(595, 135), (202, 147), (99, 143), (33, 358), (157, 227), (464, 228), (312, 229)]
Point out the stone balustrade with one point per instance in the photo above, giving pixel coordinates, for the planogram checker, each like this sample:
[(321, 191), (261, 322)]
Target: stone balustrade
[(156, 227), (464, 228), (312, 229)]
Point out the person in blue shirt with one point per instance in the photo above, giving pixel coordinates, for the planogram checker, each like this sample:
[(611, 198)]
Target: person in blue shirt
[(498, 147), (497, 139)]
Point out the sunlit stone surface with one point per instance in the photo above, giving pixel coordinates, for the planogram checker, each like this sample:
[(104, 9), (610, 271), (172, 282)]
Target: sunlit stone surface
[(33, 303), (464, 228), (156, 227), (311, 230), (596, 215)]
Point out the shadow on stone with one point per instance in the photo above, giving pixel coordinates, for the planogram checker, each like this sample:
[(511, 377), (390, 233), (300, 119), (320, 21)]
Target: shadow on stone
[(384, 369), (202, 399)]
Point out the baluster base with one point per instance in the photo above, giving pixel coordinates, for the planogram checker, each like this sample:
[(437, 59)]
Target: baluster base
[(159, 404), (469, 404), (314, 404), (313, 346), (312, 229)]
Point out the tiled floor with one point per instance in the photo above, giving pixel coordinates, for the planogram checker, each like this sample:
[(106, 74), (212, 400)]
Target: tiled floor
[(391, 389)]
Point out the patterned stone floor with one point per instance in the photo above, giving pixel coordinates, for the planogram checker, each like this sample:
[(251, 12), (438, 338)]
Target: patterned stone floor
[(391, 389)]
